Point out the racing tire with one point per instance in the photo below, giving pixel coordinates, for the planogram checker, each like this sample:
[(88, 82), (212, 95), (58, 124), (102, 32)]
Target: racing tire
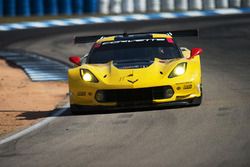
[(75, 110), (196, 101)]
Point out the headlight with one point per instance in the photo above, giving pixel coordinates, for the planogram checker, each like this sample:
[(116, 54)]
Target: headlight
[(180, 69), (87, 76)]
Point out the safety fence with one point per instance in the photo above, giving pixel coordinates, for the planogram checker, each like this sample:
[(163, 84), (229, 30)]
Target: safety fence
[(12, 8)]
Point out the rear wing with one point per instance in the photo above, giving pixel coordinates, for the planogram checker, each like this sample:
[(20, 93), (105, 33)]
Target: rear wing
[(176, 33)]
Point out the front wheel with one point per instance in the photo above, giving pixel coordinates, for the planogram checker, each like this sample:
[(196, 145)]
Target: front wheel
[(196, 101), (75, 110)]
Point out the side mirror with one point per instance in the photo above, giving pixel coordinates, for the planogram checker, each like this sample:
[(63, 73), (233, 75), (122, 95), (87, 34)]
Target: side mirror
[(195, 52), (75, 59)]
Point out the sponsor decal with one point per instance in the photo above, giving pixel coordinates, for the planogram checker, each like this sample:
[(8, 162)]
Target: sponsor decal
[(133, 40)]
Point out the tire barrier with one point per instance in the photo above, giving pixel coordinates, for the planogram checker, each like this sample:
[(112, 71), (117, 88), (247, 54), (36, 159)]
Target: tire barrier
[(90, 6), (167, 5), (1, 8), (12, 8), (120, 18), (245, 3), (115, 6), (209, 4), (222, 4), (37, 7), (140, 6), (104, 6), (128, 6), (9, 7), (153, 6), (234, 3), (195, 5), (181, 5), (77, 6), (23, 7), (51, 7), (65, 7)]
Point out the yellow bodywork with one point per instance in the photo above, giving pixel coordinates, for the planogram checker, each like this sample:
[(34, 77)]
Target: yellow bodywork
[(186, 86)]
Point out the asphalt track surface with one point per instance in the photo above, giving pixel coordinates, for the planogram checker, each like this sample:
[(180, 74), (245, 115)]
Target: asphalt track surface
[(215, 134)]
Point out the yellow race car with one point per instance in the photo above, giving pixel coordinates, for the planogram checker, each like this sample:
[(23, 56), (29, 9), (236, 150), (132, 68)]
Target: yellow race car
[(133, 71)]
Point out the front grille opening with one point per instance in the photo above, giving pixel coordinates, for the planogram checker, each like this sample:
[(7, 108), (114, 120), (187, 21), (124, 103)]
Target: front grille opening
[(140, 96)]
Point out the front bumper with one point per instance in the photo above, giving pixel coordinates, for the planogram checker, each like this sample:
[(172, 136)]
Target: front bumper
[(85, 108), (135, 97)]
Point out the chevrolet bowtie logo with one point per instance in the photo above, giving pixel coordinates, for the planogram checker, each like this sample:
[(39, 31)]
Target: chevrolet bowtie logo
[(133, 81)]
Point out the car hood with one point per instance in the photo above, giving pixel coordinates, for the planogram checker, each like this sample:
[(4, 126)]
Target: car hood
[(154, 74)]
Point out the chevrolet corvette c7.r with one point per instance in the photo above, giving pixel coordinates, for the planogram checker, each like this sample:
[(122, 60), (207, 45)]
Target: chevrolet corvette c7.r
[(134, 70)]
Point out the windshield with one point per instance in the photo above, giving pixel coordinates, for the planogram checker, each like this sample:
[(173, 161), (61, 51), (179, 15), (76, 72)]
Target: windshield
[(138, 50)]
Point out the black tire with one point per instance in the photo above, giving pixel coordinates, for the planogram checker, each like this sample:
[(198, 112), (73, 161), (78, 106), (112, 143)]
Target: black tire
[(75, 110), (196, 101)]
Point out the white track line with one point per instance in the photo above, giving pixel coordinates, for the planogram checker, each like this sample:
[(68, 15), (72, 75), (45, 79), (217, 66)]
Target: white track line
[(35, 126)]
